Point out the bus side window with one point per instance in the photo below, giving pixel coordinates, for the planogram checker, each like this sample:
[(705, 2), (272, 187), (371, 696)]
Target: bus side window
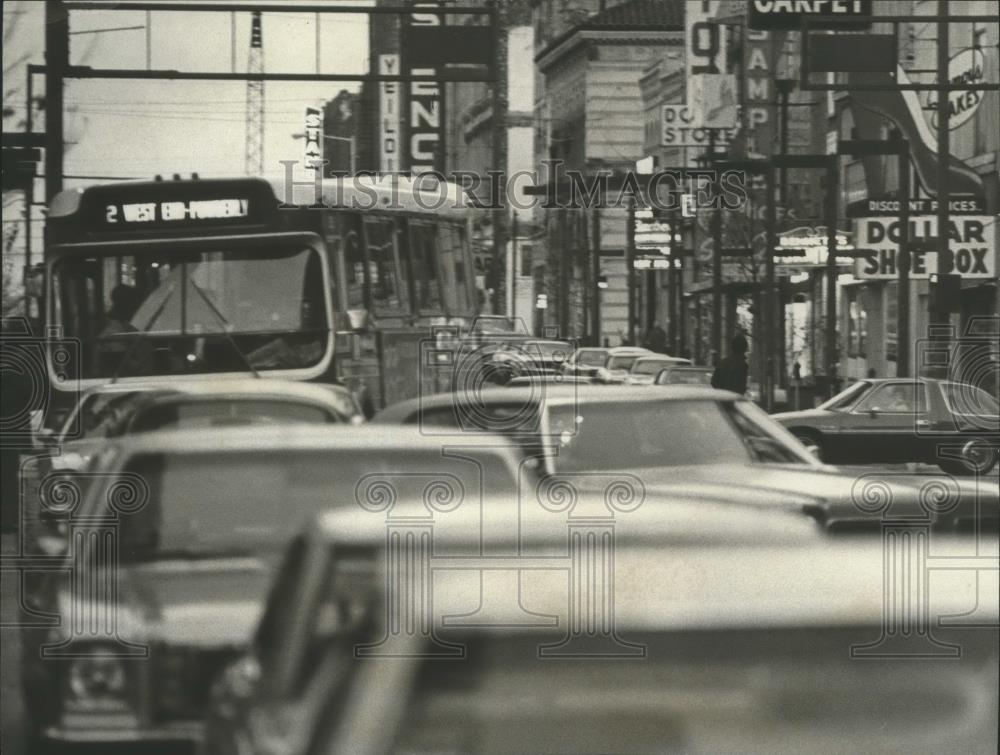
[(389, 286), (354, 262), (423, 242)]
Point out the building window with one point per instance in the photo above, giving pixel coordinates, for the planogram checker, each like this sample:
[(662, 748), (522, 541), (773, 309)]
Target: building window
[(857, 325)]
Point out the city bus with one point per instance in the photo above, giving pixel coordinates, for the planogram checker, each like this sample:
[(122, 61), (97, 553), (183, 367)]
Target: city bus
[(337, 280)]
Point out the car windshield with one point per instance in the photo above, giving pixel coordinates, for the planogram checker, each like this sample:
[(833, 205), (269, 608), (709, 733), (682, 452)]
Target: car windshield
[(622, 362), (169, 312), (206, 503), (968, 399), (591, 358), (846, 397), (639, 434), (220, 412)]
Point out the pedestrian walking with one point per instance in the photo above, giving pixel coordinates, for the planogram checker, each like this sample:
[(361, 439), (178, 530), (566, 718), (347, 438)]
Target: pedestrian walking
[(733, 371), (656, 339)]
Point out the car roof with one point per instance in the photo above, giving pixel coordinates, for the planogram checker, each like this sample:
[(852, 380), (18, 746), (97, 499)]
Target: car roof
[(293, 437), (245, 386), (627, 350), (664, 358), (553, 393)]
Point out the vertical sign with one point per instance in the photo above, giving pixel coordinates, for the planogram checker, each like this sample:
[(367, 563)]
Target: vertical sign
[(760, 52), (388, 108), (711, 90), (425, 101), (314, 136)]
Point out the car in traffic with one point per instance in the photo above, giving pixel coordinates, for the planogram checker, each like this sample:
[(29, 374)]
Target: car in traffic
[(682, 375), (527, 358), (895, 420), (709, 630), (187, 526), (617, 363), (686, 440), (586, 361), (645, 369)]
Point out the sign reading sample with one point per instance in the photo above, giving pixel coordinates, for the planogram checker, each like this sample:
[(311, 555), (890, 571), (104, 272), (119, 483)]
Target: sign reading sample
[(788, 14), (711, 90), (679, 130), (971, 242), (388, 108)]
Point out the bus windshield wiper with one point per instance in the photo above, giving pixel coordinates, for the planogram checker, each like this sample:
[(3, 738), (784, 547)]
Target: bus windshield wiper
[(144, 332), (225, 325)]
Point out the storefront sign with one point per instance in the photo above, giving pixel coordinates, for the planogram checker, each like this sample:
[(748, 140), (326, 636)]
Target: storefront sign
[(313, 152), (965, 68), (889, 207), (788, 14), (711, 90), (971, 242), (679, 130), (812, 243), (389, 107)]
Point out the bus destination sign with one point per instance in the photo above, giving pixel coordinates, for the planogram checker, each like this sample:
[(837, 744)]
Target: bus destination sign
[(176, 211)]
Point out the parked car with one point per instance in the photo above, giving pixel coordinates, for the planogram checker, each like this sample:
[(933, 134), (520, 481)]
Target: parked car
[(526, 358), (684, 376), (727, 632), (688, 440), (586, 362), (645, 369), (196, 520), (895, 420), (618, 362)]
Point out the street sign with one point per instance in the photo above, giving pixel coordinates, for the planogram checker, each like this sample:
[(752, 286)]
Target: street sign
[(788, 14)]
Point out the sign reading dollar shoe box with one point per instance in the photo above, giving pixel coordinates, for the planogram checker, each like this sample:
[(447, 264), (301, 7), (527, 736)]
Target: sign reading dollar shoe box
[(972, 247)]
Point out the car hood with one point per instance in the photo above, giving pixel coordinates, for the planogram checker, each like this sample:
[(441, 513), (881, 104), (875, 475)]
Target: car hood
[(195, 603), (826, 492), (802, 416)]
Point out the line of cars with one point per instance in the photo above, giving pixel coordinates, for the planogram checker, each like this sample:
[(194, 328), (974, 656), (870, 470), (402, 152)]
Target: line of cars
[(273, 580), (505, 357)]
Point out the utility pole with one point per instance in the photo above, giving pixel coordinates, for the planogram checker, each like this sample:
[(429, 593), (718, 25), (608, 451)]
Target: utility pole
[(716, 266), (56, 63), (903, 261), (595, 261), (833, 205), (253, 164), (770, 298), (499, 137), (944, 152), (630, 269)]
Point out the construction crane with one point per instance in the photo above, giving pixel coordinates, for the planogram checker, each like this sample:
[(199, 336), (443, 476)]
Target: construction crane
[(254, 160)]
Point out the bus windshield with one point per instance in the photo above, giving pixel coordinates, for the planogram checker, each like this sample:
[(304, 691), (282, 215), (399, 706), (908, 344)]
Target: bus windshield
[(167, 312)]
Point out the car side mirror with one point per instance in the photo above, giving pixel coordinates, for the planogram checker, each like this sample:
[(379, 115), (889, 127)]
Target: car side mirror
[(873, 412)]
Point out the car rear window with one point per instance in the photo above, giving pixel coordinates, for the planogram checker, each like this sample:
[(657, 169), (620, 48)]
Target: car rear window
[(222, 412), (968, 399)]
